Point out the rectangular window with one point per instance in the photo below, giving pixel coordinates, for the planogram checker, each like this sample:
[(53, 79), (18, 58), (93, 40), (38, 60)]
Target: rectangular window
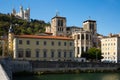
[(86, 49), (45, 43), (45, 54), (61, 22), (65, 54), (28, 42), (70, 43), (59, 54), (64, 43), (82, 37), (70, 54), (78, 36), (37, 54), (78, 50), (52, 43), (82, 49), (20, 41), (37, 42), (59, 43), (20, 53), (28, 53), (52, 54)]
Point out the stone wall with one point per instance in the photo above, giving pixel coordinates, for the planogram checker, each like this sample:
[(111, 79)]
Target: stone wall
[(19, 66), (57, 65)]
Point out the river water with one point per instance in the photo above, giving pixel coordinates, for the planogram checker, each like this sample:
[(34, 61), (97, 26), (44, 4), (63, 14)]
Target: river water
[(81, 76)]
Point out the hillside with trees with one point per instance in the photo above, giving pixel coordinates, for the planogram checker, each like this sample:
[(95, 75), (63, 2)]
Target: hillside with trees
[(21, 26)]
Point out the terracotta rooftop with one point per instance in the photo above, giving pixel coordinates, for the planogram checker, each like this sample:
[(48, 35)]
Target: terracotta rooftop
[(43, 37)]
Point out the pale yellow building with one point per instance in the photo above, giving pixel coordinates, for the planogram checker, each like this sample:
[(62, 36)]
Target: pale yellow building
[(45, 48), (110, 48)]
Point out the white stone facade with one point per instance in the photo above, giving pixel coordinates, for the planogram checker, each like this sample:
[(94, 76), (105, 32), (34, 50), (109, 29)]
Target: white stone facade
[(23, 14), (85, 38)]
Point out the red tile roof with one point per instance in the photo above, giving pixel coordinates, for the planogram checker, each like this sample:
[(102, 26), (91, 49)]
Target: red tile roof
[(43, 37)]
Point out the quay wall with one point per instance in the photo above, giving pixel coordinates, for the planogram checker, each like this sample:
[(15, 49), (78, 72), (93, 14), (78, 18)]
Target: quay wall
[(65, 66), (13, 66)]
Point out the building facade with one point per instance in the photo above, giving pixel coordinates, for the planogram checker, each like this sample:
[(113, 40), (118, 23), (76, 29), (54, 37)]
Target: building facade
[(44, 48), (85, 38), (110, 48), (23, 14)]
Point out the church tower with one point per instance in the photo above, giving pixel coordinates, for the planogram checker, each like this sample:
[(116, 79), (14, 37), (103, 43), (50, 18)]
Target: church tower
[(58, 26), (10, 41), (91, 26), (21, 14), (27, 14)]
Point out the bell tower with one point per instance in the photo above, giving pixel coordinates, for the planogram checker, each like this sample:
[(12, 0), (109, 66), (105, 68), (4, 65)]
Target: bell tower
[(58, 26), (91, 26)]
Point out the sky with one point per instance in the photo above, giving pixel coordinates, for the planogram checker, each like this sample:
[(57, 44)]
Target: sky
[(105, 12)]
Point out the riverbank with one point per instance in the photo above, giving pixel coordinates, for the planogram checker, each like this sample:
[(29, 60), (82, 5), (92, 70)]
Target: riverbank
[(81, 76), (77, 71), (24, 67)]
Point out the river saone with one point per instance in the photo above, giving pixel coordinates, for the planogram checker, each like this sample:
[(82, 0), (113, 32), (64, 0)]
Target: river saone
[(81, 76)]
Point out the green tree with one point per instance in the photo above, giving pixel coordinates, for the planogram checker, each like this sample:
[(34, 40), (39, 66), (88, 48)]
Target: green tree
[(92, 54)]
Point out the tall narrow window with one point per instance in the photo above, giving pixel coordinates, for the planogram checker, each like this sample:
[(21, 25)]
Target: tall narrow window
[(58, 22), (64, 43), (78, 50), (28, 42), (45, 43), (82, 37), (59, 54), (52, 54), (45, 54), (70, 43), (37, 54), (70, 54), (86, 36), (78, 36), (28, 53), (52, 43), (86, 49), (65, 54), (20, 53), (82, 49), (59, 43), (61, 22), (20, 41)]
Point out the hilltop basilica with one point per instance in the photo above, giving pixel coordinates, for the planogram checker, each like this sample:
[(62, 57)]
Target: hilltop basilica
[(23, 14)]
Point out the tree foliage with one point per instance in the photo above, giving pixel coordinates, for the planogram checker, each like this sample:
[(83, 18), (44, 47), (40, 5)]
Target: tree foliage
[(20, 26), (92, 54)]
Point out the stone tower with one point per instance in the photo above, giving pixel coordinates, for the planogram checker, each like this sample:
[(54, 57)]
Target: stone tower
[(10, 41), (21, 14), (58, 26), (91, 26), (27, 14)]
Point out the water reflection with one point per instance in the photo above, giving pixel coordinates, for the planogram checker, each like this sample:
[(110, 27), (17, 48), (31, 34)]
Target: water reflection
[(81, 76), (113, 76)]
